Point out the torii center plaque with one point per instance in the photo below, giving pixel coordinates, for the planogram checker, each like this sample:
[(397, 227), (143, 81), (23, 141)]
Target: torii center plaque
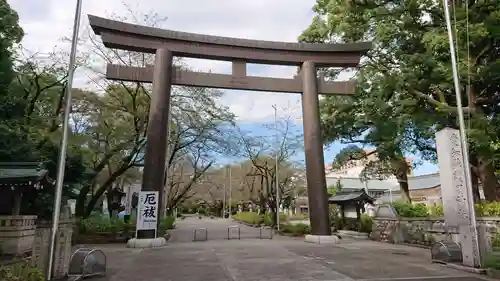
[(167, 43)]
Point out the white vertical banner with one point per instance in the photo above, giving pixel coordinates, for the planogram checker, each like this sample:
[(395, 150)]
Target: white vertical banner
[(147, 211)]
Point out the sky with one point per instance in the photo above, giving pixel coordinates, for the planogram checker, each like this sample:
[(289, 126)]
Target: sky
[(46, 22)]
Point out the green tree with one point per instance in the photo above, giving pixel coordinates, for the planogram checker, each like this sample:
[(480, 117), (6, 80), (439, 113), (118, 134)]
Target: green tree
[(405, 90), (114, 122), (377, 167), (10, 35), (261, 154), (29, 126)]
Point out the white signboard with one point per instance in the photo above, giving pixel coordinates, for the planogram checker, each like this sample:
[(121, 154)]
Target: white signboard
[(147, 211)]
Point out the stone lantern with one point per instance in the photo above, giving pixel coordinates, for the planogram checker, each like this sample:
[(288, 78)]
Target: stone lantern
[(115, 196)]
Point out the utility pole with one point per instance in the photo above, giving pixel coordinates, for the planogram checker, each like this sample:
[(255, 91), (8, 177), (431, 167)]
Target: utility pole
[(61, 162), (463, 133), (230, 193), (277, 176), (224, 198), (167, 168)]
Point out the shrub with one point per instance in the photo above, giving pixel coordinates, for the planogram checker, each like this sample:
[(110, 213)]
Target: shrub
[(492, 260), (22, 271), (268, 219), (409, 210), (99, 224), (365, 224), (488, 209), (437, 211), (299, 229), (167, 222), (495, 241), (249, 217), (337, 223), (299, 216)]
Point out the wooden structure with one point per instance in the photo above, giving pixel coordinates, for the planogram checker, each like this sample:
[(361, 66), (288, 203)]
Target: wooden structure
[(18, 226), (17, 179), (351, 200)]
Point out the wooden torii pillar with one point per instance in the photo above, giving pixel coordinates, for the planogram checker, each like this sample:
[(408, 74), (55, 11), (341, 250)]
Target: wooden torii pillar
[(167, 43)]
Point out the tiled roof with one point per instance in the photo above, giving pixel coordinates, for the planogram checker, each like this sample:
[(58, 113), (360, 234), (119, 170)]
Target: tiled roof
[(13, 172), (356, 183), (414, 183), (346, 196), (423, 181)]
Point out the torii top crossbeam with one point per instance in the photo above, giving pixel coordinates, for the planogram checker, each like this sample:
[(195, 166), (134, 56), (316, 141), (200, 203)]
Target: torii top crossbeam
[(132, 37)]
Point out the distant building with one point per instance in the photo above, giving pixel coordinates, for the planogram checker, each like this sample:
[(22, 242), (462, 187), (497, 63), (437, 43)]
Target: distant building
[(423, 189)]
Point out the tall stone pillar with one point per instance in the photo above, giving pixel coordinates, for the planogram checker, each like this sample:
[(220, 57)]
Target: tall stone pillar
[(156, 148), (456, 199), (313, 146)]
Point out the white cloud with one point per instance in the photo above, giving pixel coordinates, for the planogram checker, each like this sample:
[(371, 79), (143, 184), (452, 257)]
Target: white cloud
[(278, 20)]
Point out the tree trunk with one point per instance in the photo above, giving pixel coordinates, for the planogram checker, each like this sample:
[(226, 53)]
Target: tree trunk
[(401, 170), (486, 171), (488, 179), (475, 180)]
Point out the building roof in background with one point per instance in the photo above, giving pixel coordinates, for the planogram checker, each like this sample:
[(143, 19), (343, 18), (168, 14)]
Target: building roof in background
[(357, 184), (414, 183), (423, 181)]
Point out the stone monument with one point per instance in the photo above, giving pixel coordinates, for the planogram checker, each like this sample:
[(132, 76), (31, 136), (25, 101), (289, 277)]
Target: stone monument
[(458, 205)]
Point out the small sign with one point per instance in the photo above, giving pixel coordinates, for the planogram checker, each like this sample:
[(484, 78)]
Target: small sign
[(147, 211)]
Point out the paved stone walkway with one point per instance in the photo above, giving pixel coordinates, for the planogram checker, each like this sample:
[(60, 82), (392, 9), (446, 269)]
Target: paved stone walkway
[(280, 259), (217, 229)]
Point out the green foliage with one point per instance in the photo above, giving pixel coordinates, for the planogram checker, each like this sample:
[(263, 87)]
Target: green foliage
[(492, 260), (249, 217), (333, 189), (299, 216), (495, 241), (365, 223), (10, 34), (166, 223), (408, 210), (20, 271), (258, 219), (488, 209), (103, 224), (437, 211), (405, 90), (298, 229)]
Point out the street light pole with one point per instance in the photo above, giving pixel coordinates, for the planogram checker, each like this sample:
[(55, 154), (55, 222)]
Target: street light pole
[(230, 194), (224, 198), (277, 177), (64, 141), (167, 168)]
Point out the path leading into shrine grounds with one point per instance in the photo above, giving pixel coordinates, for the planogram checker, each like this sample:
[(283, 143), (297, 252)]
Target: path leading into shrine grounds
[(279, 259)]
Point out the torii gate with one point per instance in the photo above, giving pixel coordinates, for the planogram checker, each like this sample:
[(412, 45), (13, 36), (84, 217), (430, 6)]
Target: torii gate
[(167, 43)]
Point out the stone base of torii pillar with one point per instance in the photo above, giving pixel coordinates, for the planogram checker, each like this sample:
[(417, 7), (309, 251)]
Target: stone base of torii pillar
[(146, 243), (322, 239)]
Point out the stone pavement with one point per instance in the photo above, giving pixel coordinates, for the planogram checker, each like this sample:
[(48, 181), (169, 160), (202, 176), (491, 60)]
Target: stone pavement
[(280, 259), (217, 229)]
